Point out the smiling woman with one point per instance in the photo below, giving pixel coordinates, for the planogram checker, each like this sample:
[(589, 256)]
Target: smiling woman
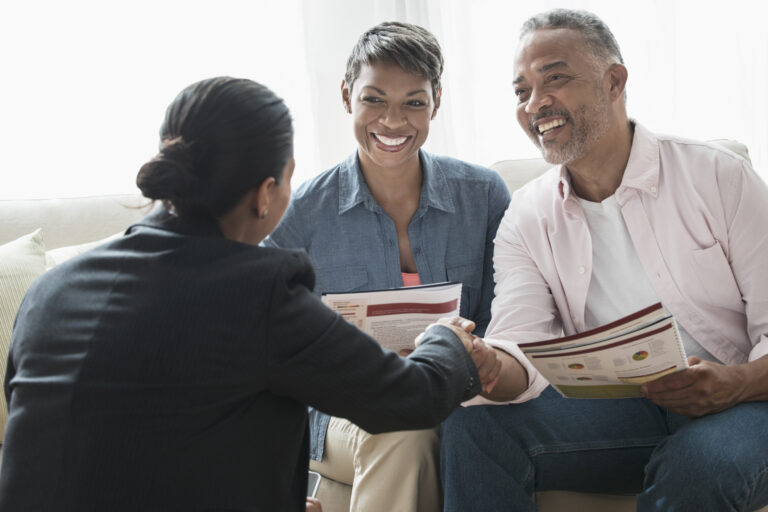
[(391, 111), (391, 215)]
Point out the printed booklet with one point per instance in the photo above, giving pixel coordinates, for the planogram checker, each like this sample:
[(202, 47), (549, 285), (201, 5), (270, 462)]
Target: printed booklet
[(394, 317), (613, 360)]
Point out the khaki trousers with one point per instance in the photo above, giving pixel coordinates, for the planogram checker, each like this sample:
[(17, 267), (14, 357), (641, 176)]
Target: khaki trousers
[(396, 471)]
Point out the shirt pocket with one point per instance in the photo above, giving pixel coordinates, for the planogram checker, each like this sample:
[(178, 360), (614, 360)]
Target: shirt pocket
[(340, 279), (470, 275), (715, 277)]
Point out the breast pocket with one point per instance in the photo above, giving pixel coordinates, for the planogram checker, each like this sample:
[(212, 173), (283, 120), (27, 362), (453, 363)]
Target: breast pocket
[(340, 279), (715, 277), (470, 275)]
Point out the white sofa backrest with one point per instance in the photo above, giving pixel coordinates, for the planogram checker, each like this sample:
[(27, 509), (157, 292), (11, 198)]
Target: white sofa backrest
[(70, 221)]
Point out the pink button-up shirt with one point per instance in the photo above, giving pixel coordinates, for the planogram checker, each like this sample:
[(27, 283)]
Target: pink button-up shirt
[(698, 217)]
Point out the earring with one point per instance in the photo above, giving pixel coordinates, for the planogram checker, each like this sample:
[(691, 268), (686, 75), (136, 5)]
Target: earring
[(264, 214)]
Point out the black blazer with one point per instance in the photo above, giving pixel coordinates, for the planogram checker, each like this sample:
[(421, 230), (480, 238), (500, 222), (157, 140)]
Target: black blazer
[(170, 370)]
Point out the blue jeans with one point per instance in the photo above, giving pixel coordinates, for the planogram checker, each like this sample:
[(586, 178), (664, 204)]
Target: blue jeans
[(494, 457)]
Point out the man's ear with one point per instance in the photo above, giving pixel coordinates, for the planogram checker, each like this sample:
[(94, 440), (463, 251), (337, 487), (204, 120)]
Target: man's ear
[(262, 197), (438, 96), (345, 98), (617, 79)]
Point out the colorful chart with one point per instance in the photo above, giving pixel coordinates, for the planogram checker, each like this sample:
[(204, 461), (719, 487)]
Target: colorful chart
[(639, 356), (576, 366)]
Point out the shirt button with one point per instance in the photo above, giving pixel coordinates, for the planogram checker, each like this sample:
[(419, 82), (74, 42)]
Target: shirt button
[(581, 270), (654, 190)]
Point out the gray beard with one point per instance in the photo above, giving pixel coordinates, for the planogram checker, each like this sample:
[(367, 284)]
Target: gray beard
[(586, 131)]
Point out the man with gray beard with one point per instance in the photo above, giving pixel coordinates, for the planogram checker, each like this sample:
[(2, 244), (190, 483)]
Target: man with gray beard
[(627, 218)]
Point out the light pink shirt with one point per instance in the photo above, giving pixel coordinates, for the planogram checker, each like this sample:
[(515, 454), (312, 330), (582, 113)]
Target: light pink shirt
[(698, 217)]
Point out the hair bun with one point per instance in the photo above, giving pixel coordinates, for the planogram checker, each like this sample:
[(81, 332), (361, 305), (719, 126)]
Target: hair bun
[(171, 173)]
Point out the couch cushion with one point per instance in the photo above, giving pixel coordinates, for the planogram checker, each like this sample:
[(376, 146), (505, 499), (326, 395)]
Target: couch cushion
[(69, 221), (517, 173), (62, 254), (21, 261)]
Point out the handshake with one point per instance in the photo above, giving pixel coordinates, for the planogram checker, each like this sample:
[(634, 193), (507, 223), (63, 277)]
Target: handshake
[(483, 355)]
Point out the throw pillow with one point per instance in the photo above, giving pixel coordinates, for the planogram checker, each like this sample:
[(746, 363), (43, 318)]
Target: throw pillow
[(62, 254), (21, 261)]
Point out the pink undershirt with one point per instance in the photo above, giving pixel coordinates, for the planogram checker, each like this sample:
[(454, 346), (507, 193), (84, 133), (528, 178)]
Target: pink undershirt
[(410, 279)]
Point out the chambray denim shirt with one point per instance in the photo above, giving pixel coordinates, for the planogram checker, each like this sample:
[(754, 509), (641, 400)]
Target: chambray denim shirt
[(353, 245)]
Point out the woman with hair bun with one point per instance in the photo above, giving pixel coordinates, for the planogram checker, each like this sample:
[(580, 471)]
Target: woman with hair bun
[(171, 369)]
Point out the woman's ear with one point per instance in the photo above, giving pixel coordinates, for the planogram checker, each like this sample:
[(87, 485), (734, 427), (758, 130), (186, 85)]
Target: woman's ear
[(262, 197), (438, 96), (345, 98)]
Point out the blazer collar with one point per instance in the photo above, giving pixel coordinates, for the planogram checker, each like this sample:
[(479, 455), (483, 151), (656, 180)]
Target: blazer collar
[(195, 225)]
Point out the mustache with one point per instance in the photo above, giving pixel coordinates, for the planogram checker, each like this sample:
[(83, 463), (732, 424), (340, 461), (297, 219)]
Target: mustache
[(548, 113)]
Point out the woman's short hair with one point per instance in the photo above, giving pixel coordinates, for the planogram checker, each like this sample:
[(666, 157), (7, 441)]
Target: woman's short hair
[(411, 47), (220, 138)]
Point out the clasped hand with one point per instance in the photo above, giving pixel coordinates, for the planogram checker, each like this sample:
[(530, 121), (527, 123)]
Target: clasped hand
[(483, 355)]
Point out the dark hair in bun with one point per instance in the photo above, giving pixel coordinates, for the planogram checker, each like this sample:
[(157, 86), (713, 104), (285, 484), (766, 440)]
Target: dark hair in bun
[(221, 137)]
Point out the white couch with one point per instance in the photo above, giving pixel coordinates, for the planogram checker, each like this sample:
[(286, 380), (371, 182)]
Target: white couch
[(70, 226)]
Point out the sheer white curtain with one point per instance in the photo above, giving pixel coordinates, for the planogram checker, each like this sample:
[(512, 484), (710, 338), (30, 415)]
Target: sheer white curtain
[(697, 69), (85, 83)]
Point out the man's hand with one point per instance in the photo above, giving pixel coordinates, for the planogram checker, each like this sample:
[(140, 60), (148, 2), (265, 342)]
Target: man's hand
[(702, 389), (313, 505), (487, 362)]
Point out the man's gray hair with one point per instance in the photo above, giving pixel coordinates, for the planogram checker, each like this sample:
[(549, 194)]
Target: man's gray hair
[(596, 33), (411, 47)]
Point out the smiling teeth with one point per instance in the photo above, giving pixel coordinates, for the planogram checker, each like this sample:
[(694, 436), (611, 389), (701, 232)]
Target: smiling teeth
[(391, 142), (550, 125)]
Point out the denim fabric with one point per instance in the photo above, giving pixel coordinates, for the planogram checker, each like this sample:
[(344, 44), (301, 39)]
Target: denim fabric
[(718, 462), (353, 245)]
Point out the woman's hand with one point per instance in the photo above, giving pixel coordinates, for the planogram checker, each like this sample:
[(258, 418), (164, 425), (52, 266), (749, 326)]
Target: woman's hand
[(461, 327), (313, 505), (483, 355)]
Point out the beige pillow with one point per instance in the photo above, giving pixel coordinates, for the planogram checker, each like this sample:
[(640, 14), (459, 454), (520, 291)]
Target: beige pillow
[(21, 261), (62, 254)]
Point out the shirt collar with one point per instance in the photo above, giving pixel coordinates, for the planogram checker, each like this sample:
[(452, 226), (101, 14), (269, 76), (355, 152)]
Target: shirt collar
[(641, 172), (353, 190)]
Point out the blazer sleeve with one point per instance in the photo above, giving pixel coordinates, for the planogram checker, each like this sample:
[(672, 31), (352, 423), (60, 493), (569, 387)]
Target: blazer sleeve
[(317, 357)]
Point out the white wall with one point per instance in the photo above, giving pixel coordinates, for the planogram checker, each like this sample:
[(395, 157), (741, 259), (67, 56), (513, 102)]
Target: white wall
[(85, 83)]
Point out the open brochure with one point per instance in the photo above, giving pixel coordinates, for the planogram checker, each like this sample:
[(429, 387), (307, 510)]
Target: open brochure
[(613, 360), (394, 317)]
